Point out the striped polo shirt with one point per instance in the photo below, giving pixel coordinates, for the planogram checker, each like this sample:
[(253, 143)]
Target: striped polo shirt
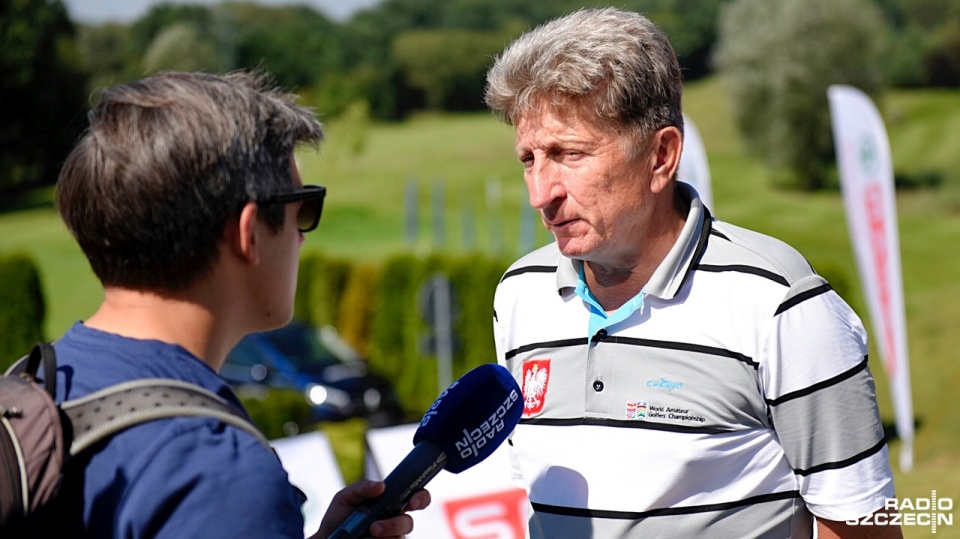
[(737, 402)]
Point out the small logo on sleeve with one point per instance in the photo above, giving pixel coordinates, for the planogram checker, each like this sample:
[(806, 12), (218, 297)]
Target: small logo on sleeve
[(536, 378)]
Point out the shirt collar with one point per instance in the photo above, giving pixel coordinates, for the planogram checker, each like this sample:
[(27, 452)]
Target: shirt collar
[(673, 270)]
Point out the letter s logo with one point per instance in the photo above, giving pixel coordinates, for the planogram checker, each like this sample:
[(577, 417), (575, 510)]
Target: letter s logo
[(485, 521), (500, 515)]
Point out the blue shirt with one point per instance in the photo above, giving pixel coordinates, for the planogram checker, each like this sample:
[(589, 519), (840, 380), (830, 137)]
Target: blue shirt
[(599, 318), (169, 478)]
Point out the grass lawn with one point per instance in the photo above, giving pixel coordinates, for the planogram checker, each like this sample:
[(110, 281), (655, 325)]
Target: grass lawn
[(471, 154)]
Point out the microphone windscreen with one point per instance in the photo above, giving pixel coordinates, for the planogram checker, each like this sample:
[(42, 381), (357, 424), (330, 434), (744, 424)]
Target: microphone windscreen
[(473, 416)]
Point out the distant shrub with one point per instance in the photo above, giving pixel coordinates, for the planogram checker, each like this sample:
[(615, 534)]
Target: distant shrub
[(942, 62), (320, 288), (393, 332), (22, 308), (903, 65), (357, 306), (401, 334), (475, 280), (417, 381), (302, 306), (277, 412), (381, 314)]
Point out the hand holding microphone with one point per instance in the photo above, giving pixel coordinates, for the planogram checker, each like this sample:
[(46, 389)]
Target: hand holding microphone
[(464, 426)]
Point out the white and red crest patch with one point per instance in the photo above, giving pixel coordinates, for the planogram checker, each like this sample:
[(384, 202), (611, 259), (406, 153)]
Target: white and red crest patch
[(536, 377)]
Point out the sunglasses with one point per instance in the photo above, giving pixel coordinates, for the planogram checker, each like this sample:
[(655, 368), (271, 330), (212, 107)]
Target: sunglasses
[(308, 216)]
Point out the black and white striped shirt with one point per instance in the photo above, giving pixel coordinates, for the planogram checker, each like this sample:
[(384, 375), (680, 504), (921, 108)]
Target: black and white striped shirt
[(737, 402)]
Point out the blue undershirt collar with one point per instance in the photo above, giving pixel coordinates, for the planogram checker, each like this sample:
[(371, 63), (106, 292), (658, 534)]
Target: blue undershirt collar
[(599, 318)]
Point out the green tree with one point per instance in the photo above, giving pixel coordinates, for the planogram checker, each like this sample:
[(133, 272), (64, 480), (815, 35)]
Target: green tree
[(449, 66), (43, 91), (403, 55), (942, 63), (368, 69), (146, 29), (691, 26), (778, 58), (180, 47), (107, 55), (924, 42), (296, 44), (903, 65), (929, 14), (369, 59)]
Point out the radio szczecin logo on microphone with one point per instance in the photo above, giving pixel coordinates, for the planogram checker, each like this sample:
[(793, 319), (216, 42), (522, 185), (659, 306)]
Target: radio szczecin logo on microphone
[(474, 439)]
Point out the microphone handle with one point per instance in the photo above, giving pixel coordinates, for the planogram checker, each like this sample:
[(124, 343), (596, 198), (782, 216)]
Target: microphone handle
[(419, 466)]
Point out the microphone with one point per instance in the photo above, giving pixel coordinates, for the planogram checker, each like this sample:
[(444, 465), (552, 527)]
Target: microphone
[(464, 426)]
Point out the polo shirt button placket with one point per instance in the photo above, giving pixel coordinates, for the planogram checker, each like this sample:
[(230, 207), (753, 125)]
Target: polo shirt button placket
[(599, 336)]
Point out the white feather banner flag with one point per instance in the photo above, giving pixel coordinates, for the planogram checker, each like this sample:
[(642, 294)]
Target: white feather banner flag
[(866, 178), (694, 168)]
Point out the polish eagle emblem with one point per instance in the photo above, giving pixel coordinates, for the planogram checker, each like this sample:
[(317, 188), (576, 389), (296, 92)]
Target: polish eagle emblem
[(536, 377)]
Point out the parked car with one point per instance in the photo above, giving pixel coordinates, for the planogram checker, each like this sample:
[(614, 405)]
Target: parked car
[(329, 373)]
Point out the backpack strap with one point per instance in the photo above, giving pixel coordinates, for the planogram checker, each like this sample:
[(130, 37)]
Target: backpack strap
[(28, 366), (108, 411)]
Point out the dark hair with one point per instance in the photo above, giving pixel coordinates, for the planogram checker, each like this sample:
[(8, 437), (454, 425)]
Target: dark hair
[(166, 161), (614, 65)]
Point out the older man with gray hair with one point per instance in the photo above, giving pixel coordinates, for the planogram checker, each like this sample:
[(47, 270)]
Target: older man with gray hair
[(682, 377)]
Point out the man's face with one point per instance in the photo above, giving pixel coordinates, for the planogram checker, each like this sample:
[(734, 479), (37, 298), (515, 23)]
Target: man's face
[(589, 193)]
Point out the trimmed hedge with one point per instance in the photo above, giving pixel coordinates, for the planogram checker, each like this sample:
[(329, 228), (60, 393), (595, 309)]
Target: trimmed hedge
[(277, 412), (357, 305), (22, 308), (319, 288), (379, 313)]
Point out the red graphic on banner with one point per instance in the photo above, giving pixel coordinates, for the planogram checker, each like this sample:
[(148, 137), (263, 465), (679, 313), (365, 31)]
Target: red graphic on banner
[(501, 515), (536, 377), (873, 199)]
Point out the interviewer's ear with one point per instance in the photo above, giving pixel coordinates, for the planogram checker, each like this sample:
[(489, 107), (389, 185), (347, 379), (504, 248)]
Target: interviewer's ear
[(666, 145), (241, 234)]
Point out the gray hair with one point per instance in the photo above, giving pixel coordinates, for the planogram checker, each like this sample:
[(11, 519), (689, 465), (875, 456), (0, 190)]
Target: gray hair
[(166, 161), (616, 65)]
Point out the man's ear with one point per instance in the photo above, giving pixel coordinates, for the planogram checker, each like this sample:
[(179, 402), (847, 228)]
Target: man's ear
[(241, 234), (667, 145)]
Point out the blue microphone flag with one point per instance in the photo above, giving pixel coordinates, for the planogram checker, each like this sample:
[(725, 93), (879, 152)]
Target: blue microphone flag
[(473, 416), (465, 425)]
